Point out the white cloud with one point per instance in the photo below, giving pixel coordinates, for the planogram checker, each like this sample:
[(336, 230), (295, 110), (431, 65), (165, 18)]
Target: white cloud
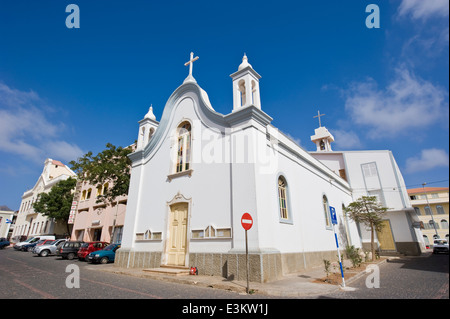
[(424, 9), (64, 151), (345, 140), (428, 159), (408, 102), (26, 130)]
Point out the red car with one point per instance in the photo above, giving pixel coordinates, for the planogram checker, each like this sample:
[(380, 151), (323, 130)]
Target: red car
[(89, 247)]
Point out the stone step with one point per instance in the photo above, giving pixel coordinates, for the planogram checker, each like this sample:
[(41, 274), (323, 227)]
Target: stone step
[(169, 270)]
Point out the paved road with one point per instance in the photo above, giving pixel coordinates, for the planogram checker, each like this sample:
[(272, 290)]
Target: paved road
[(27, 276), (424, 277)]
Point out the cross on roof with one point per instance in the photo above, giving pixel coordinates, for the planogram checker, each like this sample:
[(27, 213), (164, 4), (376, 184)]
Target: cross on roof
[(190, 63), (319, 115)]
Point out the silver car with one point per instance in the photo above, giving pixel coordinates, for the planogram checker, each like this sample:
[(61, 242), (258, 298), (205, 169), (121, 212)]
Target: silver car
[(49, 249)]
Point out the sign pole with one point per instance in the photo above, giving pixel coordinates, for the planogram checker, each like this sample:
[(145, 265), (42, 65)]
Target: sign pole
[(334, 222), (248, 263), (247, 223)]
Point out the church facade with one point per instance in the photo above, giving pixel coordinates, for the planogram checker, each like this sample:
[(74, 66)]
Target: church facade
[(196, 172)]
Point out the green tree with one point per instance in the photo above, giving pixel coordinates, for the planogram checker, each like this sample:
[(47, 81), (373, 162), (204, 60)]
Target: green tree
[(56, 203), (111, 166), (369, 212)]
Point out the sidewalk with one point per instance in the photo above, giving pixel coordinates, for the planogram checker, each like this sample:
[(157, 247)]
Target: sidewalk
[(290, 286)]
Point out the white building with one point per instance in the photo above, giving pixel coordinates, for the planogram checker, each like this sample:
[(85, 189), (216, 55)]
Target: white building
[(196, 172), (375, 173), (29, 222), (6, 220)]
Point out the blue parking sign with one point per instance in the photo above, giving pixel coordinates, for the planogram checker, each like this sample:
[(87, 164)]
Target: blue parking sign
[(333, 216)]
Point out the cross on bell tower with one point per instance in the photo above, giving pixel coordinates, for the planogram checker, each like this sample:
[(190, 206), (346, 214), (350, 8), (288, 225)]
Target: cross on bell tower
[(319, 115), (322, 137)]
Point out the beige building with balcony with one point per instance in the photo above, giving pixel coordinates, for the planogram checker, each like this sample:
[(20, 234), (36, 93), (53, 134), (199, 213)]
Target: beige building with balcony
[(94, 221), (431, 205)]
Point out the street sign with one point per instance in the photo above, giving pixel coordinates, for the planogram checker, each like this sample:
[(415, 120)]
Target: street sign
[(333, 216), (334, 222), (247, 221)]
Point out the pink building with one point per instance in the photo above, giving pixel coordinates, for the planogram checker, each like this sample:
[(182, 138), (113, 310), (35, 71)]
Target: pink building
[(97, 221)]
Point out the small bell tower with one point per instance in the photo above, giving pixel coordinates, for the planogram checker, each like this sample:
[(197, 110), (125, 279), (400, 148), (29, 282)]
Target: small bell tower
[(322, 137), (245, 86), (147, 127)]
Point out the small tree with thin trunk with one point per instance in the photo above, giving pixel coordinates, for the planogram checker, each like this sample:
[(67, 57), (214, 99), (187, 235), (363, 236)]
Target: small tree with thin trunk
[(369, 212)]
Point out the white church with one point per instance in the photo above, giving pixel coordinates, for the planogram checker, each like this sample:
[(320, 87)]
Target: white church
[(196, 172)]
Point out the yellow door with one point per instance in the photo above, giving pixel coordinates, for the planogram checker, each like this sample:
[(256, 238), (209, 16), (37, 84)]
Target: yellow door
[(385, 237), (178, 233)]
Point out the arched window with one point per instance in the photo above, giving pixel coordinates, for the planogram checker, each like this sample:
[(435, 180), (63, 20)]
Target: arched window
[(99, 191), (150, 133), (253, 93), (105, 188), (183, 147), (282, 197), (440, 210), (427, 210), (326, 210), (432, 224), (322, 145), (444, 224), (243, 92)]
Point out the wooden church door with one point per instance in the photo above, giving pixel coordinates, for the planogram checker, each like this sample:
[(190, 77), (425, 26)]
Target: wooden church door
[(176, 253)]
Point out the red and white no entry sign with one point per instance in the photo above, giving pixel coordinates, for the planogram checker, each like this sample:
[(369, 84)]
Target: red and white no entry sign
[(247, 221)]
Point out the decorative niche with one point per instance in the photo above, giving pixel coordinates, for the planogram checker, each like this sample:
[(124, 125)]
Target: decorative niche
[(211, 232), (148, 235)]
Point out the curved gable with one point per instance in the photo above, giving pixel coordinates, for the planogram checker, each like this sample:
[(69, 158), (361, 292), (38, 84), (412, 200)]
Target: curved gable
[(202, 107)]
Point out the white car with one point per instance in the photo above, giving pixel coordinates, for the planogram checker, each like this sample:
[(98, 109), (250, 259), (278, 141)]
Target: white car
[(49, 249), (440, 246), (31, 240)]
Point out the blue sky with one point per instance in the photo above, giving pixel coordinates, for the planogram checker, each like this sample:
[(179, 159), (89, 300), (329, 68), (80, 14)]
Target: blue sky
[(64, 92)]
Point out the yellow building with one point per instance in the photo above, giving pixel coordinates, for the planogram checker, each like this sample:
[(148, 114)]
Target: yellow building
[(431, 205)]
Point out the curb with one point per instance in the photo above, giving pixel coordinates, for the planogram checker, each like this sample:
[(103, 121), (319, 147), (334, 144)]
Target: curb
[(264, 289), (362, 273)]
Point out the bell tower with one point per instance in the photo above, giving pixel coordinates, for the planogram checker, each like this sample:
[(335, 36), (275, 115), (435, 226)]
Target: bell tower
[(147, 127), (322, 137), (245, 86)]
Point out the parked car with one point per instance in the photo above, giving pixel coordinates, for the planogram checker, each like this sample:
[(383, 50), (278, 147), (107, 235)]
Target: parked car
[(69, 249), (31, 240), (104, 256), (89, 247), (49, 248), (440, 246), (4, 243), (30, 247)]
